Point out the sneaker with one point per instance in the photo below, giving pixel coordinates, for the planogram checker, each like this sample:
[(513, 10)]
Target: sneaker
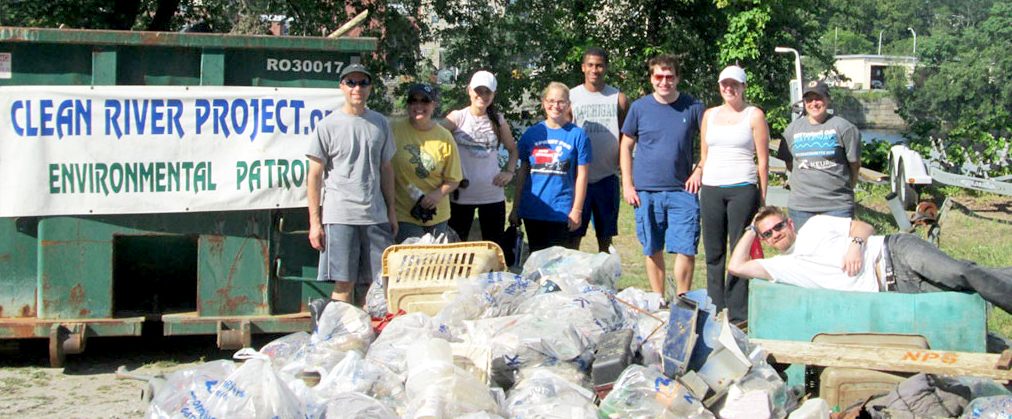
[(316, 307)]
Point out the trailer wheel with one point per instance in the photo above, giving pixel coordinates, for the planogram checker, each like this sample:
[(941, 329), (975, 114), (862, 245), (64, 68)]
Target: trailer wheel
[(905, 191)]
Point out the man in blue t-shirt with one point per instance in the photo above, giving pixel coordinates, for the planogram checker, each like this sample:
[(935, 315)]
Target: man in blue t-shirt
[(662, 185)]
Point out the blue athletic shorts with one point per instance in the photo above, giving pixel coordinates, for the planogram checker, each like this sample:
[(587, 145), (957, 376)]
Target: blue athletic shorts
[(601, 203), (668, 220)]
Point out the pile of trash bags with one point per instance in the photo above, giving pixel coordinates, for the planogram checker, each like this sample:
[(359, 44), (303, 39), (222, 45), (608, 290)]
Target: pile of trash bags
[(556, 341)]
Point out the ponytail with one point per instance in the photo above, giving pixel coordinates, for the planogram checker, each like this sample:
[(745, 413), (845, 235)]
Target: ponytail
[(493, 117)]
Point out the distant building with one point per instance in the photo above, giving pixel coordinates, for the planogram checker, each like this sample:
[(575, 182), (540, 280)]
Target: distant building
[(868, 71)]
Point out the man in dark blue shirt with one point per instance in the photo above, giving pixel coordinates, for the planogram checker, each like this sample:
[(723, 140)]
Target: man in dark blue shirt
[(659, 181)]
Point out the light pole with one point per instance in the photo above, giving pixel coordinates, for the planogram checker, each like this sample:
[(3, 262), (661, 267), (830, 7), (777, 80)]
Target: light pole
[(880, 41), (915, 40), (795, 88)]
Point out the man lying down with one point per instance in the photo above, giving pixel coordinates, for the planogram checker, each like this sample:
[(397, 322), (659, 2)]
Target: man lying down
[(842, 254)]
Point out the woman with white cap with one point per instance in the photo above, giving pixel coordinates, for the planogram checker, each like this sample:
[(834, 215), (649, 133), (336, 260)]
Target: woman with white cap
[(733, 168), (479, 130)]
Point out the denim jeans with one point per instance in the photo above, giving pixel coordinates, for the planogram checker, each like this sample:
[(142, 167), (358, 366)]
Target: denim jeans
[(919, 266), (801, 217)]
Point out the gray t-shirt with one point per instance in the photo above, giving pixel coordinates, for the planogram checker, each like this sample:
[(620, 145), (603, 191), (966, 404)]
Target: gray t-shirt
[(353, 148), (821, 153), (597, 114)]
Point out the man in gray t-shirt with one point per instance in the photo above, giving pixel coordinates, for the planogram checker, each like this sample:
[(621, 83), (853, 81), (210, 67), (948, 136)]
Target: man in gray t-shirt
[(350, 162), (600, 110), (823, 153)]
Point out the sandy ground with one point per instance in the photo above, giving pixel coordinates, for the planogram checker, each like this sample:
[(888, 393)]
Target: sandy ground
[(87, 386)]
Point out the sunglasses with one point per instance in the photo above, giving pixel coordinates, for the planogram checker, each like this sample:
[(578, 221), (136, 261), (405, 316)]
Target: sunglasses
[(414, 100), (352, 83), (664, 77), (776, 227)]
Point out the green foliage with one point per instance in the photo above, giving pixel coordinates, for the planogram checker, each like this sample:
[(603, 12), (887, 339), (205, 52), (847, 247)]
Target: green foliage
[(528, 43), (960, 94), (875, 155), (841, 42)]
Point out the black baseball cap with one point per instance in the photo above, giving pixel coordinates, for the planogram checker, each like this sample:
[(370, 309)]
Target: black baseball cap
[(818, 87), (354, 68), (424, 90)]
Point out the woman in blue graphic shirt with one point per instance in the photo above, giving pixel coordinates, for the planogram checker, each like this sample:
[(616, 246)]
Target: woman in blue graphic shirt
[(552, 180)]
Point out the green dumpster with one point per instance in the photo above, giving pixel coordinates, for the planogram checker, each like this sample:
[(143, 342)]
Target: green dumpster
[(950, 321), (158, 177)]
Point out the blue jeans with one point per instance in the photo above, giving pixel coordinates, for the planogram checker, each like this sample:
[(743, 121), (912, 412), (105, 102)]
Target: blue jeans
[(801, 217), (919, 266)]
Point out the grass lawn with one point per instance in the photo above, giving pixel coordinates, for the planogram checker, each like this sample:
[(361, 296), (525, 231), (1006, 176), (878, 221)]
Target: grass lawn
[(985, 239)]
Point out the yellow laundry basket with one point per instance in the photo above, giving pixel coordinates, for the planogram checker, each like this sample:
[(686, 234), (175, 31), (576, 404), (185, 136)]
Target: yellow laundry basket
[(418, 275)]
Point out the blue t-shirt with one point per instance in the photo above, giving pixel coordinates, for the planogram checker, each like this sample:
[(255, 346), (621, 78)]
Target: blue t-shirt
[(553, 155), (664, 136)]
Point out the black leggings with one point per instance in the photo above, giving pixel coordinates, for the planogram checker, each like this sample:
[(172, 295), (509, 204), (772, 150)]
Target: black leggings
[(491, 217), (724, 213), (544, 234)]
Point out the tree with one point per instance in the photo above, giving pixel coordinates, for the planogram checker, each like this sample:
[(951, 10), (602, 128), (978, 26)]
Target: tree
[(960, 91), (398, 26), (528, 43)]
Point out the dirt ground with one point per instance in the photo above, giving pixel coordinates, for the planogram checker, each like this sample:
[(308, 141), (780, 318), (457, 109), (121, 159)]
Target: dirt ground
[(87, 386)]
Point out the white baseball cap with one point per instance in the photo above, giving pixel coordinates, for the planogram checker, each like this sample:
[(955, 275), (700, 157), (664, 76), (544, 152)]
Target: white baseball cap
[(483, 78), (732, 72)]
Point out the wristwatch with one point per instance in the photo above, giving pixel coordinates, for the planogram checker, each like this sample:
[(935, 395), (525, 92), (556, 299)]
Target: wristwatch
[(858, 240)]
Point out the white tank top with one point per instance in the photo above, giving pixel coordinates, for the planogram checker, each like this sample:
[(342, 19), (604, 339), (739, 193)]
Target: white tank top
[(730, 156), (597, 114), (479, 157)]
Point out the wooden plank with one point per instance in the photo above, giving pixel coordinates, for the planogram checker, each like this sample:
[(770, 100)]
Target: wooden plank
[(885, 359)]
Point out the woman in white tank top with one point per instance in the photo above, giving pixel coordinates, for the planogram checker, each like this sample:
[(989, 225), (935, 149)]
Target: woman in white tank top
[(733, 167), (479, 130)]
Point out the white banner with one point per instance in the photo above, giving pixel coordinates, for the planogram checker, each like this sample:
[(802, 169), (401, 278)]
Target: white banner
[(152, 149)]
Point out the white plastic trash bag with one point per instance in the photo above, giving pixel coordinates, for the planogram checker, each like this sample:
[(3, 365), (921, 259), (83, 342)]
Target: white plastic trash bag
[(376, 299), (590, 311), (343, 327), (436, 388), (600, 269), (993, 407), (284, 349), (401, 334), (642, 392), (648, 337), (492, 294), (358, 406), (181, 387), (253, 390), (543, 394), (356, 374), (527, 340)]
